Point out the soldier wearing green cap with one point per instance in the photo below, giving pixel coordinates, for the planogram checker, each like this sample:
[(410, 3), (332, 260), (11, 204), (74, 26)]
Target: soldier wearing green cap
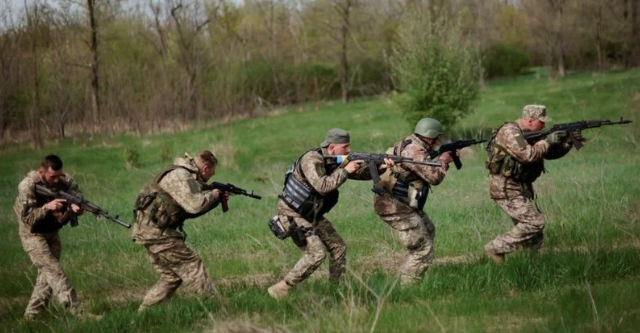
[(514, 164), (406, 189), (310, 191)]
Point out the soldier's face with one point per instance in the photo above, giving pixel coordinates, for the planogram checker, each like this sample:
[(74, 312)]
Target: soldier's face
[(533, 124), (339, 148), (206, 172), (49, 176)]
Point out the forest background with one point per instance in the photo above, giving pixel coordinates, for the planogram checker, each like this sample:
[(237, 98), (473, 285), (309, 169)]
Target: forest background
[(78, 68)]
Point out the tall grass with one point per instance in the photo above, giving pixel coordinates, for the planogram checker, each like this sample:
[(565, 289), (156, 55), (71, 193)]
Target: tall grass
[(586, 280)]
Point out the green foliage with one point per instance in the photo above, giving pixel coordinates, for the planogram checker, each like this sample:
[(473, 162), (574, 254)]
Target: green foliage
[(504, 60), (435, 69), (131, 157)]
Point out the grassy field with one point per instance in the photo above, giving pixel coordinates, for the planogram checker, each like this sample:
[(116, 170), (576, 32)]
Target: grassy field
[(586, 280)]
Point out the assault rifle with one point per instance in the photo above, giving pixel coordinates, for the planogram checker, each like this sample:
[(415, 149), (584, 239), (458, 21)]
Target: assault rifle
[(373, 160), (572, 128), (229, 188), (82, 203), (453, 147)]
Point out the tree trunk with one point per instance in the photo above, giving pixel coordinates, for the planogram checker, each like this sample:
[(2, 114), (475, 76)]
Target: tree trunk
[(34, 122), (635, 32), (344, 57), (95, 101)]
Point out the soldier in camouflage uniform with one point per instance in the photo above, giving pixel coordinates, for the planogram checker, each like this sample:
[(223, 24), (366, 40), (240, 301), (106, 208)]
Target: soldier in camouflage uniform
[(39, 221), (514, 164), (161, 208), (302, 214), (406, 188)]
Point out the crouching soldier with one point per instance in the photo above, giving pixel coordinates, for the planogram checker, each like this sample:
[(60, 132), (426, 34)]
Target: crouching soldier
[(39, 220), (514, 164), (311, 191), (406, 189), (161, 209)]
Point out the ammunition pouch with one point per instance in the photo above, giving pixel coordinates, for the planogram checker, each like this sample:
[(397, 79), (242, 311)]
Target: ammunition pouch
[(278, 227), (413, 193), (304, 200), (500, 163), (52, 222), (162, 210), (299, 234)]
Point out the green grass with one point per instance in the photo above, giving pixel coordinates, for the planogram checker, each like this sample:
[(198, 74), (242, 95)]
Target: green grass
[(587, 280)]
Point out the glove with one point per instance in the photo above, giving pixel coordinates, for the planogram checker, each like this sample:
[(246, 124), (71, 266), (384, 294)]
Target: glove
[(557, 137)]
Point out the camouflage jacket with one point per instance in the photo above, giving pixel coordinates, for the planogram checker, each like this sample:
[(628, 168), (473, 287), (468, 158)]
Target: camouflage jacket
[(181, 185), (313, 170), (417, 150), (510, 139), (29, 207)]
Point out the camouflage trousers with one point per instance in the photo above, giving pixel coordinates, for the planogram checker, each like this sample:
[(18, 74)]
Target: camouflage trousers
[(528, 226), (416, 233), (324, 238), (44, 251), (176, 264)]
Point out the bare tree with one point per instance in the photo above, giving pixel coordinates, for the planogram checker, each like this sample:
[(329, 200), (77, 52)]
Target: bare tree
[(95, 99), (33, 24), (188, 26)]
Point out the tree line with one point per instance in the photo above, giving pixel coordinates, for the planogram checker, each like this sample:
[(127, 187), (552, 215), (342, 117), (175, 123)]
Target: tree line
[(72, 67)]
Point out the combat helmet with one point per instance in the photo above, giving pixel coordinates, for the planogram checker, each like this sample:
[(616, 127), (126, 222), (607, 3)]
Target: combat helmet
[(428, 128)]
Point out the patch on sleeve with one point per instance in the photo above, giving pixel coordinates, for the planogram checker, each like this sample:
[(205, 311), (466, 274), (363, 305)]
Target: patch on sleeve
[(520, 140), (193, 186)]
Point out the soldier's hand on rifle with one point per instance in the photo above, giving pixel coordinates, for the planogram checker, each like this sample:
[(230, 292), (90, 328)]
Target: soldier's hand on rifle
[(216, 193), (557, 137), (388, 163), (353, 166), (55, 204), (77, 209), (446, 158)]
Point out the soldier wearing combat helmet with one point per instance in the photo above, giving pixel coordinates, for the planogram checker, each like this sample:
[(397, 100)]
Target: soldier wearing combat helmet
[(406, 189), (39, 221), (161, 209), (311, 190), (514, 164)]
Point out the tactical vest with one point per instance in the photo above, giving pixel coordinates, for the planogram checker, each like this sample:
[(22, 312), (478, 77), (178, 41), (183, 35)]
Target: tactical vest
[(409, 189), (499, 162), (156, 203), (302, 197)]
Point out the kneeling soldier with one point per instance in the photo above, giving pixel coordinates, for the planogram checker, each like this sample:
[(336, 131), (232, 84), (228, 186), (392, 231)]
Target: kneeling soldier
[(311, 190), (406, 189), (514, 164), (162, 207)]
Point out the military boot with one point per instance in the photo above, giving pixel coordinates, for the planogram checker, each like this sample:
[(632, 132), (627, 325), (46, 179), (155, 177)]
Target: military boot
[(279, 290), (498, 258), (30, 316)]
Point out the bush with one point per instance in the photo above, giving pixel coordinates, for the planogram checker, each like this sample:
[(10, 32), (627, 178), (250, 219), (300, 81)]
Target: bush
[(504, 60), (131, 158), (435, 70)]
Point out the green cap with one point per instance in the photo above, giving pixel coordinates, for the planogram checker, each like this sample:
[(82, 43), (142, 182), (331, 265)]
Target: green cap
[(429, 128), (335, 135)]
